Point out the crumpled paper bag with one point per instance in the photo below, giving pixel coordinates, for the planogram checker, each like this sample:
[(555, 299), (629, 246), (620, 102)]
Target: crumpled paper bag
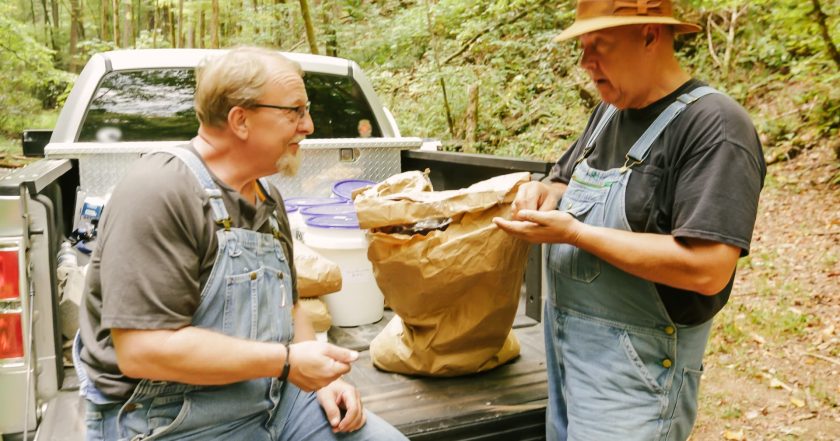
[(317, 312), (455, 291), (316, 275)]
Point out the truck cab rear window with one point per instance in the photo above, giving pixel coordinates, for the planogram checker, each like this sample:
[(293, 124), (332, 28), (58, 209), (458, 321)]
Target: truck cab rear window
[(157, 105)]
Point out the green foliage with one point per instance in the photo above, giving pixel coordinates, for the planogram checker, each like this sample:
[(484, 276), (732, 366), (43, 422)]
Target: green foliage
[(28, 74)]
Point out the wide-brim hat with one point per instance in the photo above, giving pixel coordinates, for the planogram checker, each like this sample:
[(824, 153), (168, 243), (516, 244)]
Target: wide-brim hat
[(594, 15)]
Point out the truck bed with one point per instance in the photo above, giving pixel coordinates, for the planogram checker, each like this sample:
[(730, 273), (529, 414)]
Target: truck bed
[(507, 403)]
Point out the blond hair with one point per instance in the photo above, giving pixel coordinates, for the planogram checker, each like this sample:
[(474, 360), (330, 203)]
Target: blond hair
[(235, 78)]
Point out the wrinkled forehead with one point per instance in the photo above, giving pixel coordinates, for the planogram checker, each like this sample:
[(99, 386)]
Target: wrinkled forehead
[(285, 81)]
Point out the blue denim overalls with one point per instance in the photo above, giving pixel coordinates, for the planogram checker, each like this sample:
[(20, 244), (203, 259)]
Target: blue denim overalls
[(619, 368), (248, 295)]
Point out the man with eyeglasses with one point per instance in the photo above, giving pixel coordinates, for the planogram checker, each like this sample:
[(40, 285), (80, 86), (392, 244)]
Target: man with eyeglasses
[(645, 215), (190, 327)]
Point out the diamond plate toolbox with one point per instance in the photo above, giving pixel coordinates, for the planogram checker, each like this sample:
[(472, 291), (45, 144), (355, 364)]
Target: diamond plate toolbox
[(323, 162)]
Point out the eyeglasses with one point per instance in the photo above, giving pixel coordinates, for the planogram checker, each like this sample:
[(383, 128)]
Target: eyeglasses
[(301, 111)]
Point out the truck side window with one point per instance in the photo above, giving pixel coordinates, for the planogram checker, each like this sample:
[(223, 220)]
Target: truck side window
[(157, 105)]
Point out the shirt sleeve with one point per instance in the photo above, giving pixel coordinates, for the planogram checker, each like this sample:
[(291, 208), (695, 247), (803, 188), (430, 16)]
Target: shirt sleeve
[(718, 183), (149, 243)]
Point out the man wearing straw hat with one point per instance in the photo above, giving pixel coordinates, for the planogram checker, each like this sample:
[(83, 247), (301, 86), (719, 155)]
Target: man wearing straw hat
[(646, 215)]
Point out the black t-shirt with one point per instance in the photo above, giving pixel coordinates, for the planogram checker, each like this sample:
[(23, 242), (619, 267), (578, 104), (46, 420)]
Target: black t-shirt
[(156, 249), (701, 180)]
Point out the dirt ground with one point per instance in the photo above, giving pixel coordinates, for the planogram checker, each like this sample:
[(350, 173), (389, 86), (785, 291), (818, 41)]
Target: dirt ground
[(773, 364)]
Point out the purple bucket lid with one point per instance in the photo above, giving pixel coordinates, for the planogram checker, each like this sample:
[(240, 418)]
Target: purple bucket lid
[(318, 210), (344, 189), (303, 202), (344, 221)]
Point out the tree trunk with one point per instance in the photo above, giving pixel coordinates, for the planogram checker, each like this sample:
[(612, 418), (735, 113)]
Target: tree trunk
[(256, 6), (32, 8), (103, 20), (49, 35), (172, 37), (138, 20), (471, 119), (829, 43), (201, 28), (155, 20), (329, 17), (191, 34), (730, 38), (115, 17), (214, 24), (128, 25), (55, 15), (75, 24), (441, 80), (278, 20), (310, 29), (180, 36)]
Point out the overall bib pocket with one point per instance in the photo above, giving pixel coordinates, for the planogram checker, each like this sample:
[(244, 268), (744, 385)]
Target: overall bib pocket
[(570, 261), (257, 304)]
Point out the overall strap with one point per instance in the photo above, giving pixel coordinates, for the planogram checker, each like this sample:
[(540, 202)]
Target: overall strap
[(602, 123), (275, 224), (220, 213), (638, 153)]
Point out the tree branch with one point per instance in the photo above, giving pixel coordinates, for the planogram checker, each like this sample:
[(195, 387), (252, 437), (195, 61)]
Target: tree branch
[(829, 43), (491, 28), (709, 38)]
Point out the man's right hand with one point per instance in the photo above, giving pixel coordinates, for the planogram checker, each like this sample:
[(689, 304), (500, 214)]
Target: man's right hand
[(316, 364), (536, 195)]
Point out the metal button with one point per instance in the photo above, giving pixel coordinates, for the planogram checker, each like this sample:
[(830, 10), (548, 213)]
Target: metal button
[(280, 275), (254, 276), (130, 407), (666, 363), (669, 330)]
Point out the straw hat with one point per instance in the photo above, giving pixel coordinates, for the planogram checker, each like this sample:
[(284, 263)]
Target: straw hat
[(594, 15)]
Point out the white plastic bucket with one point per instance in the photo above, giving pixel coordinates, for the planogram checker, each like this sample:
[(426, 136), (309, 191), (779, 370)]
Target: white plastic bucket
[(339, 239)]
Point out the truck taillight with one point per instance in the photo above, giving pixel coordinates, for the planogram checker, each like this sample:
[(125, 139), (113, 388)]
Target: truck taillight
[(9, 274), (11, 335), (11, 329)]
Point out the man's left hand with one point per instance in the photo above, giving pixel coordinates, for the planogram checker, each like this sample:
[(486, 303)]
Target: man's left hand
[(340, 396), (542, 226)]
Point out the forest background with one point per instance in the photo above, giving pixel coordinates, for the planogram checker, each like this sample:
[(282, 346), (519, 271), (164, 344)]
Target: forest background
[(484, 76)]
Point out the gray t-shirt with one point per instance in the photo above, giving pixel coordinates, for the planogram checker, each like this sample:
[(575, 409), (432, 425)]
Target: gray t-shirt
[(701, 180), (156, 247)]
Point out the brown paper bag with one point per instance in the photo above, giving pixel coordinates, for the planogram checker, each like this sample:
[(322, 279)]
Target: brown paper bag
[(316, 275), (455, 292), (317, 312)]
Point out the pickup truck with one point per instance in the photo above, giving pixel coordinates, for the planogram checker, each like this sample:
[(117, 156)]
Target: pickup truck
[(125, 103)]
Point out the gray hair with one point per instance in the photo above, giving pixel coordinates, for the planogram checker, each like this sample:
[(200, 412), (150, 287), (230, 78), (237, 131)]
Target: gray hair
[(235, 78)]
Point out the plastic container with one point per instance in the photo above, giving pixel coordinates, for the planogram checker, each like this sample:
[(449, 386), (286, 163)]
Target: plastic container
[(344, 188), (339, 239), (295, 206), (346, 208), (296, 223)]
